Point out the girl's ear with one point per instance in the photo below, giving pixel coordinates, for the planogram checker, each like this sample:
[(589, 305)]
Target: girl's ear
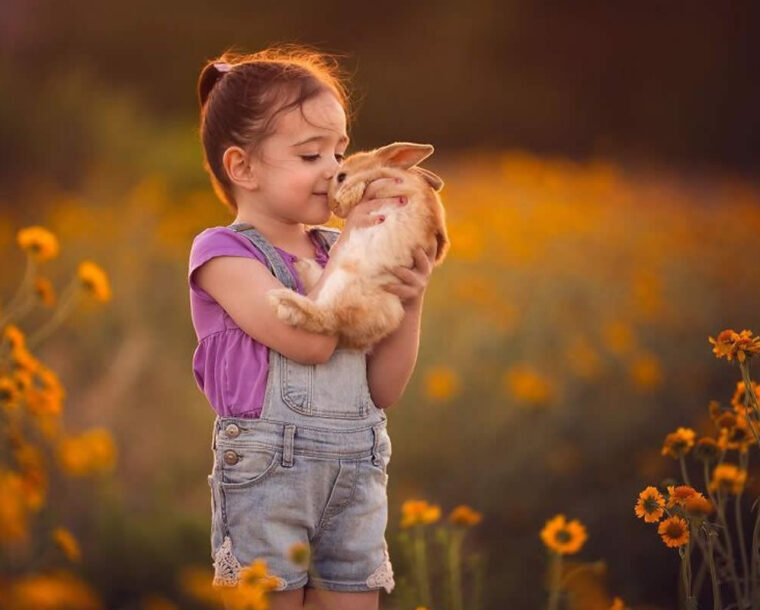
[(403, 154), (432, 179)]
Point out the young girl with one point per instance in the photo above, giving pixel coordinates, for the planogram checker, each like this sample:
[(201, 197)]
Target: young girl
[(300, 443)]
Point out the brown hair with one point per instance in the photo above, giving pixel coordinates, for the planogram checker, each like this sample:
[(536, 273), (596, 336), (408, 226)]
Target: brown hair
[(241, 94)]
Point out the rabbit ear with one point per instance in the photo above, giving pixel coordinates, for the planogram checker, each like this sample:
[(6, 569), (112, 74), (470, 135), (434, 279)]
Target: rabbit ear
[(432, 179), (404, 154)]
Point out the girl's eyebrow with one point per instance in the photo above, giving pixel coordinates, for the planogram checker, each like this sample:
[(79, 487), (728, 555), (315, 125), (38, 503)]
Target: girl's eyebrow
[(319, 137)]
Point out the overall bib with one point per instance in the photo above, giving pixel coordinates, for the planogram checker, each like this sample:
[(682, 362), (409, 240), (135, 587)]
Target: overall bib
[(311, 469)]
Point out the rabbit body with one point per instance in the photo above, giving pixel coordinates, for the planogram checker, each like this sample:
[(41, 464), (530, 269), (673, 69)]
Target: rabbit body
[(352, 301)]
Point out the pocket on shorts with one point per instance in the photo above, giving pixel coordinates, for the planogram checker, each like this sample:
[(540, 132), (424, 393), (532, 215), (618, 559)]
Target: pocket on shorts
[(244, 466)]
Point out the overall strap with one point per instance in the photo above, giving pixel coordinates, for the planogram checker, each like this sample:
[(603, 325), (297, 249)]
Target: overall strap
[(327, 236), (274, 260)]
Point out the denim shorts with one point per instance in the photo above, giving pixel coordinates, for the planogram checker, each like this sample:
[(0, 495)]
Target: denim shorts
[(275, 485)]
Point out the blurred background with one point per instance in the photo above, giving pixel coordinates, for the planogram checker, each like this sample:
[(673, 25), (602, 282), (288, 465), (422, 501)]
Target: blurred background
[(601, 163)]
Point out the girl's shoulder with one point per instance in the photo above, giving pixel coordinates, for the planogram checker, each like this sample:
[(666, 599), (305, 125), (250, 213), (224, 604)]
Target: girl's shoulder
[(219, 241)]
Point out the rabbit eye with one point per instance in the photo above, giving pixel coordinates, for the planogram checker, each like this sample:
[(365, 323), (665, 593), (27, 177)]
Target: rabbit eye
[(341, 176)]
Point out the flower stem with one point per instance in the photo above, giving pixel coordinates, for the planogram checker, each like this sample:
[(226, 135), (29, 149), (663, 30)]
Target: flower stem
[(555, 579), (713, 575), (20, 292), (683, 470), (65, 306), (423, 586)]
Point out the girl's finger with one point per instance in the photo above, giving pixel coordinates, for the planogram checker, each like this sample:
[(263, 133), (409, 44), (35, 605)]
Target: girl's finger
[(371, 191)]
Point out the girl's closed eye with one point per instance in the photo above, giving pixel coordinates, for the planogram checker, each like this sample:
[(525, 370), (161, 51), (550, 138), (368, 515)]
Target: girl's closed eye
[(310, 158)]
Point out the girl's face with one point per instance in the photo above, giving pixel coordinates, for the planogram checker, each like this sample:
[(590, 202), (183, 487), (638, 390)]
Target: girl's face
[(298, 161)]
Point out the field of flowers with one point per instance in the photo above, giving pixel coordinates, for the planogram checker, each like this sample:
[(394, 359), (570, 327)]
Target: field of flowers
[(564, 362)]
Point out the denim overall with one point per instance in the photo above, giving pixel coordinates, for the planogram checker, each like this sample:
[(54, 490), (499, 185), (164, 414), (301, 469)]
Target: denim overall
[(312, 469)]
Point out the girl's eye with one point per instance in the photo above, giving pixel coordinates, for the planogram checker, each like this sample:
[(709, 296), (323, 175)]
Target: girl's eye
[(310, 158)]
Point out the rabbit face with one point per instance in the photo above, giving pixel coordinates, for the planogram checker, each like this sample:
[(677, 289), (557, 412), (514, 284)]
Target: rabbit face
[(347, 187)]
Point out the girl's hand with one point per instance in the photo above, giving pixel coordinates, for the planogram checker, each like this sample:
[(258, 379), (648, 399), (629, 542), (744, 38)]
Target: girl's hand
[(364, 213), (414, 280)]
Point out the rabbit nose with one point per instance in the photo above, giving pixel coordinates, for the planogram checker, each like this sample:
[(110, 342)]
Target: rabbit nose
[(341, 177)]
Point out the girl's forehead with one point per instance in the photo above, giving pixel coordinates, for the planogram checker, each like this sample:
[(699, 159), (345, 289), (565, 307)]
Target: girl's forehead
[(322, 115)]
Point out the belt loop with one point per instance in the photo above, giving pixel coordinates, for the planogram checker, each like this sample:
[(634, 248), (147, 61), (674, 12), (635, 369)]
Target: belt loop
[(375, 443), (287, 445), (214, 428)]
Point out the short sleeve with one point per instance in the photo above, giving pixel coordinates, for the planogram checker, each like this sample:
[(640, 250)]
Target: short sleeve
[(218, 241)]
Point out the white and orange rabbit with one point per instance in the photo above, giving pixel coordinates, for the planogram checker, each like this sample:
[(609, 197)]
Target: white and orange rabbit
[(352, 301)]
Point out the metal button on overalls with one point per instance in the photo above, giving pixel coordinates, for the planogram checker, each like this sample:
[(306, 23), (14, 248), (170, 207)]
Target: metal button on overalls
[(230, 457), (232, 430)]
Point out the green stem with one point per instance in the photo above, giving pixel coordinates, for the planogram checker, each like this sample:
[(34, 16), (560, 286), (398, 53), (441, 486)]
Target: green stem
[(20, 291), (65, 306), (555, 580), (683, 470), (713, 574), (423, 585), (740, 528), (729, 549), (455, 570)]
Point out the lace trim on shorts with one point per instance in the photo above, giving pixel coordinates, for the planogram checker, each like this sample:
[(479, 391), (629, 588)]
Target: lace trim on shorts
[(383, 575), (227, 568)]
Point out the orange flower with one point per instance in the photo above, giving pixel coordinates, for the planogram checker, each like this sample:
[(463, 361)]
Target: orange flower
[(45, 291), (464, 515), (698, 506), (94, 280), (706, 450), (728, 478), (563, 537), (419, 512), (678, 443), (650, 506), (678, 495), (40, 243), (735, 345), (67, 543), (674, 531)]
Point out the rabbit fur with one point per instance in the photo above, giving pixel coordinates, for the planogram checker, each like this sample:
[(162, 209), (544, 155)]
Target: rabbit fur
[(352, 302)]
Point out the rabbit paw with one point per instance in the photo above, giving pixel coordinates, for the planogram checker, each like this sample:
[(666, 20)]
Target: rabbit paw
[(285, 307)]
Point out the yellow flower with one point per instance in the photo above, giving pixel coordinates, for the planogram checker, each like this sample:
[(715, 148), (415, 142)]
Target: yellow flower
[(527, 385), (563, 537), (300, 554), (45, 291), (698, 506), (735, 345), (419, 512), (679, 442), (728, 478), (650, 506), (40, 243), (9, 394), (618, 337), (51, 591), (95, 280), (67, 543), (441, 382), (14, 510), (617, 604), (674, 531), (90, 452), (464, 515), (678, 495), (706, 450), (645, 371), (14, 336)]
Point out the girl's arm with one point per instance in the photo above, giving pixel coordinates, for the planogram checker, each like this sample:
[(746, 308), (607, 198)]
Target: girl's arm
[(391, 362)]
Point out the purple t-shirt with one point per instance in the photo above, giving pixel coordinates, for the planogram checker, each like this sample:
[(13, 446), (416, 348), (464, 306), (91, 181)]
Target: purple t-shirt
[(229, 366)]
